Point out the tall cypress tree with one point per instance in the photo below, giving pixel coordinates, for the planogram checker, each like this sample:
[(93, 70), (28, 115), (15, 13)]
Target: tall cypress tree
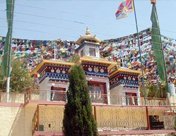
[(78, 119)]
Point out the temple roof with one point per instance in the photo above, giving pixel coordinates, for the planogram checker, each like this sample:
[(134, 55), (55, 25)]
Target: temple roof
[(126, 70), (88, 37), (87, 59), (97, 60), (50, 62)]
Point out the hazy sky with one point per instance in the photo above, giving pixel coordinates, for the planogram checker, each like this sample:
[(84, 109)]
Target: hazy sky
[(68, 19)]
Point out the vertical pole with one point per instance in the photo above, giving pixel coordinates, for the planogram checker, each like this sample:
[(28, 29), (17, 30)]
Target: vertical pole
[(147, 117), (55, 50), (95, 113), (140, 56), (8, 65), (9, 35), (38, 116), (8, 89)]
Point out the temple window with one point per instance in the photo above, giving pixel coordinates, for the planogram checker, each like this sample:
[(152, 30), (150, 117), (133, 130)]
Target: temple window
[(131, 98), (92, 52), (97, 92), (82, 53), (58, 94)]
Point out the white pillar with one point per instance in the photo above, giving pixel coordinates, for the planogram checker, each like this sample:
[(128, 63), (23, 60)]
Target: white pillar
[(124, 97), (138, 96), (45, 89), (108, 91)]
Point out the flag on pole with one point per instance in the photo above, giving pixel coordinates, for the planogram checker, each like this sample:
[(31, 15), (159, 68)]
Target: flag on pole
[(157, 45), (124, 9), (6, 58)]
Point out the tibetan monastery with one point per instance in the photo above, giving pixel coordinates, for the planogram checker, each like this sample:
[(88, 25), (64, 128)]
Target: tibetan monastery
[(108, 83)]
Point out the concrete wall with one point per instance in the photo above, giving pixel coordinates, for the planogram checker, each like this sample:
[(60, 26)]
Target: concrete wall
[(51, 117), (7, 117), (107, 117), (22, 125)]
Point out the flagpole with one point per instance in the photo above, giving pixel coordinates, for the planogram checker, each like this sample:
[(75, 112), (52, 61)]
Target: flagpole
[(140, 56), (10, 27)]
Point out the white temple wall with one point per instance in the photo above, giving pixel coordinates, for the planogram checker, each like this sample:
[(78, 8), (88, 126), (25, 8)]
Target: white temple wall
[(44, 87), (172, 89), (116, 94)]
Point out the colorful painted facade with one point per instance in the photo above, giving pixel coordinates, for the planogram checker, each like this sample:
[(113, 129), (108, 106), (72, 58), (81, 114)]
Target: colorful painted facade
[(108, 83)]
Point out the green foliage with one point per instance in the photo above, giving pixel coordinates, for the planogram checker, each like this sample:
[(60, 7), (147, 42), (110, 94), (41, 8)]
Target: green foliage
[(78, 119), (150, 89), (75, 58), (156, 90), (20, 78)]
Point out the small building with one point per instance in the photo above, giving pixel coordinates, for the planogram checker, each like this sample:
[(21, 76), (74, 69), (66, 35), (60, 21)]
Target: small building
[(108, 82)]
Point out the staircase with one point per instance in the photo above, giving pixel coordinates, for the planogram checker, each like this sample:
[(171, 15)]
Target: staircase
[(7, 117), (22, 126)]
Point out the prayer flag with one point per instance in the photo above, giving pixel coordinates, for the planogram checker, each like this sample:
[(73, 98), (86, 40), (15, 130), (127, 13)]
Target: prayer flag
[(6, 59), (125, 7), (157, 45)]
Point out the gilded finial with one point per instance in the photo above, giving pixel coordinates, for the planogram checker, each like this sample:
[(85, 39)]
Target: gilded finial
[(87, 37), (87, 31)]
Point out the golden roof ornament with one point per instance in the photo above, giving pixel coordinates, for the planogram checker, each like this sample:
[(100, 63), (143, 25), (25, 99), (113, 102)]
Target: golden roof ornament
[(88, 37), (88, 31)]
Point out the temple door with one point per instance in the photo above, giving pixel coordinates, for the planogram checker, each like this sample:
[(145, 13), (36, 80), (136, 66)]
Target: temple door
[(58, 94)]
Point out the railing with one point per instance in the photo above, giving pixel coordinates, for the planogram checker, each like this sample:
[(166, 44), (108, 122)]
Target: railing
[(12, 97), (27, 96), (148, 101), (98, 98), (15, 122), (35, 121), (15, 97), (58, 96), (114, 99), (61, 96)]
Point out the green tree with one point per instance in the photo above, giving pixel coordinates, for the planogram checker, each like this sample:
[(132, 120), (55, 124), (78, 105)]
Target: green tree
[(20, 77), (152, 90), (78, 119), (75, 59), (162, 90), (157, 90)]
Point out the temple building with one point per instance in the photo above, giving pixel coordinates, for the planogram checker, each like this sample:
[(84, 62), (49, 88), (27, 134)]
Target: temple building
[(108, 82)]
